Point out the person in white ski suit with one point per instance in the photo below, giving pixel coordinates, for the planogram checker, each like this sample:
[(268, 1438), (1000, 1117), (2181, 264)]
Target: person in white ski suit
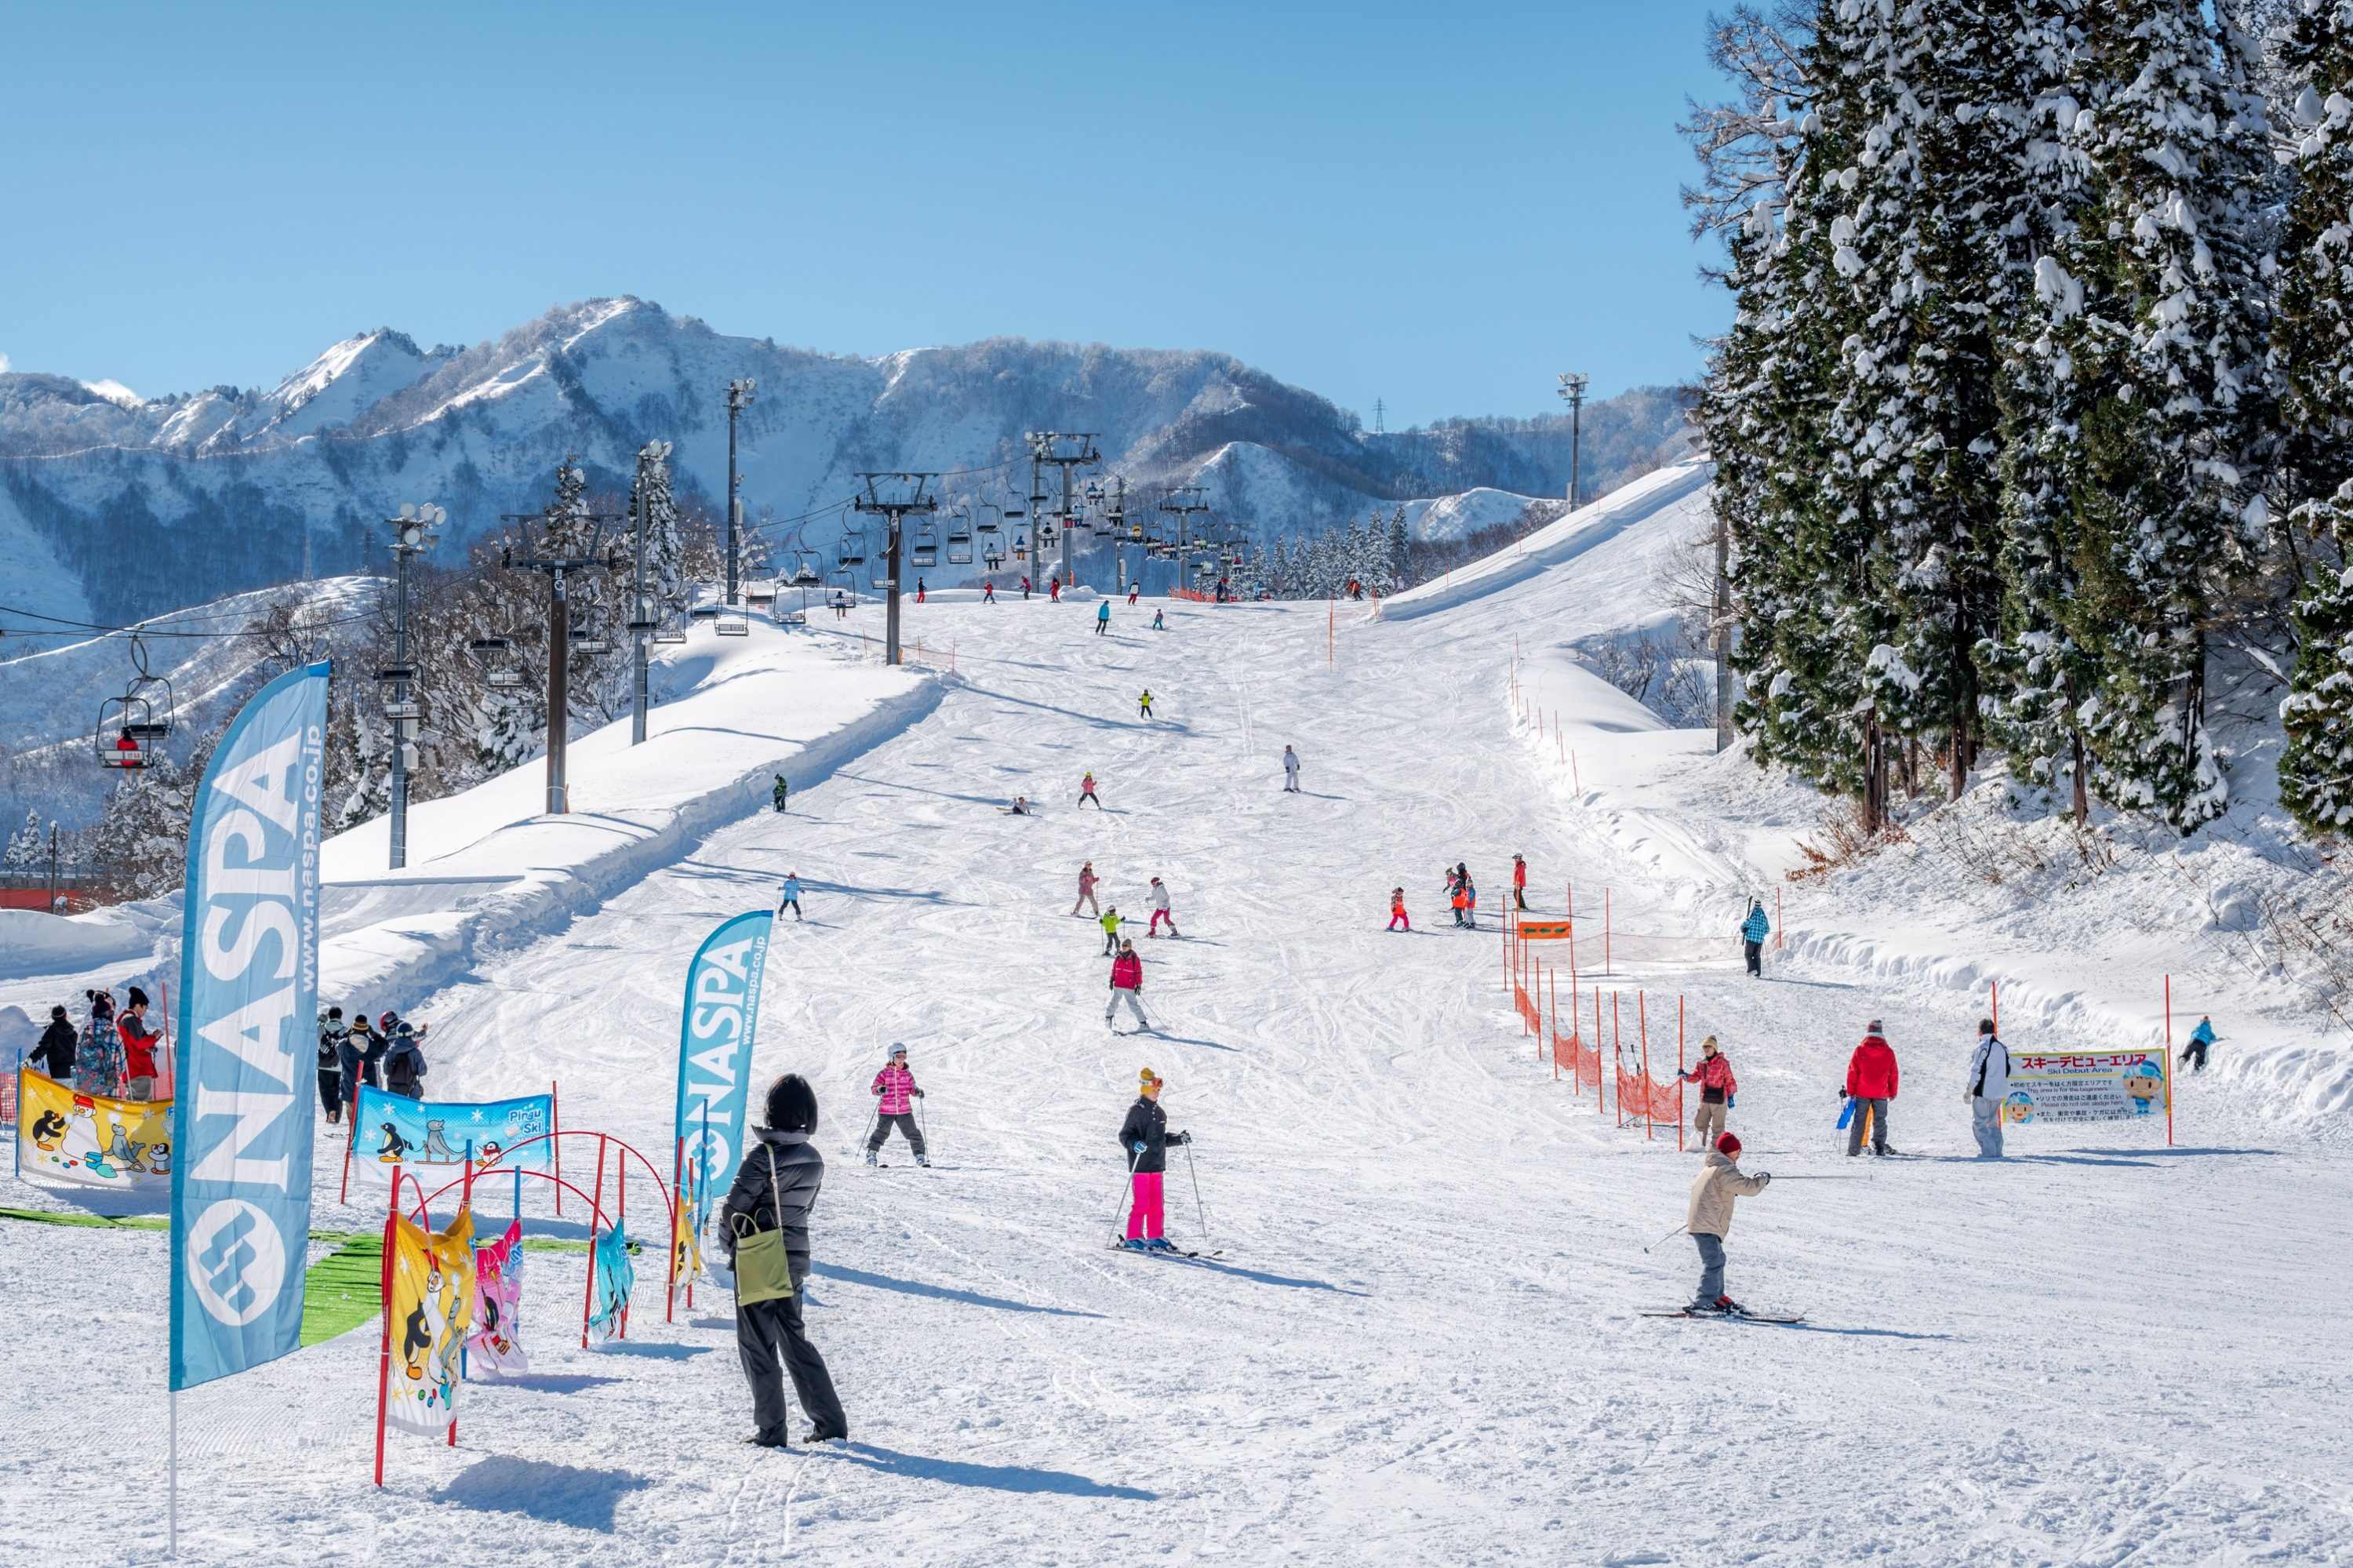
[(1160, 909), (1988, 1086), (1290, 771)]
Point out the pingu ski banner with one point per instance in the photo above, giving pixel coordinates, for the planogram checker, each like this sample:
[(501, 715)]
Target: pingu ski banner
[(714, 1047), (428, 1311), (249, 1003), (428, 1139), (91, 1140)]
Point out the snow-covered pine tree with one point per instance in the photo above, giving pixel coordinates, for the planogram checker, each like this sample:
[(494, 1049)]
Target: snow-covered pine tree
[(665, 547), (2313, 337), (1397, 560), (28, 846), (2164, 362)]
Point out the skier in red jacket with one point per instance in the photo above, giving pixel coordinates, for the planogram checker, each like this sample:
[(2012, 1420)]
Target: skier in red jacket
[(1519, 882), (1127, 981), (1712, 1073), (1870, 1084)]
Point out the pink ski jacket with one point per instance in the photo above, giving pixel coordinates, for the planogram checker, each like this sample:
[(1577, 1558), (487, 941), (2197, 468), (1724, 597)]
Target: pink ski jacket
[(897, 1087)]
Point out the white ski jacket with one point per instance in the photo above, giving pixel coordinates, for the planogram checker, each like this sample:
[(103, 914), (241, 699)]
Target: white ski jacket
[(1989, 1069)]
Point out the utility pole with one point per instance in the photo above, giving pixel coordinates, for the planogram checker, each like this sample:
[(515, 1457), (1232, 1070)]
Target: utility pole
[(739, 398), (556, 566), (1047, 447), (416, 531), (892, 496), (1572, 391), (1379, 410), (642, 623), (53, 869)]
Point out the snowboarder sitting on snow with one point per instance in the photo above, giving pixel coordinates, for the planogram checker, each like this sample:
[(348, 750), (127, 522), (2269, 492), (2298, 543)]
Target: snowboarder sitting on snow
[(1021, 807), (1144, 1138), (1087, 880), (1716, 1087), (1871, 1079), (1753, 932), (1709, 1220), (775, 1190), (896, 1108), (1160, 910), (1127, 981), (2200, 1037), (1087, 792), (1396, 909), (1111, 923), (1989, 1086)]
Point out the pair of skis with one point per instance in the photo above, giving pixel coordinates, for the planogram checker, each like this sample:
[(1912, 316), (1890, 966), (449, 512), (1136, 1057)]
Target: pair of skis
[(1171, 1253), (1731, 1317)]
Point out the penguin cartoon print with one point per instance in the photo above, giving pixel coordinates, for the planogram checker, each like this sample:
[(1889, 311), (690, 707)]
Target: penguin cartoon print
[(159, 1156), (414, 1338), (48, 1129), (395, 1146)]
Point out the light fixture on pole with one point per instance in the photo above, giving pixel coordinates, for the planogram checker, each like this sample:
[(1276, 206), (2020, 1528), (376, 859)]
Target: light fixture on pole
[(415, 531), (1572, 391)]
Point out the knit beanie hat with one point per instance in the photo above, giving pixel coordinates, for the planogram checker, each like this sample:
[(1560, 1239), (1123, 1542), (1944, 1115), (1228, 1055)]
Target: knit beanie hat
[(1708, 1042), (1728, 1146), (138, 997), (1148, 1079)]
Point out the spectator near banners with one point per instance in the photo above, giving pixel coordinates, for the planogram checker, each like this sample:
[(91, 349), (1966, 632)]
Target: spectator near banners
[(1870, 1082)]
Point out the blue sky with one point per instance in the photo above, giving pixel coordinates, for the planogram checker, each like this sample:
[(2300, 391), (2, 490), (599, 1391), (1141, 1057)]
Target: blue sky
[(1440, 207)]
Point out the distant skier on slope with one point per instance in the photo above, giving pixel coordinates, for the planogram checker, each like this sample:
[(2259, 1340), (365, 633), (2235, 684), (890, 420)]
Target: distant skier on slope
[(1871, 1081), (1127, 981), (2194, 1053), (1397, 910), (1454, 897), (1144, 1138), (1087, 792), (840, 606), (1087, 880), (1102, 617), (1519, 882), (1025, 589), (1470, 899), (1988, 1086), (1712, 1073), (1111, 923), (1290, 771), (777, 791), (896, 1107), (1134, 592), (1143, 704), (1160, 910), (1054, 589), (790, 898), (1158, 624), (1753, 932), (1709, 1220), (987, 592)]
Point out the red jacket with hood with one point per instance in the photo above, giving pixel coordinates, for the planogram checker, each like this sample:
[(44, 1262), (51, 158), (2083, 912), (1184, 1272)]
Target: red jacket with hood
[(1871, 1071)]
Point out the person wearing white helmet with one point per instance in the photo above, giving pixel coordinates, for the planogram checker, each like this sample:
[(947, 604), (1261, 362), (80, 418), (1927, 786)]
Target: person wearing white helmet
[(896, 1107)]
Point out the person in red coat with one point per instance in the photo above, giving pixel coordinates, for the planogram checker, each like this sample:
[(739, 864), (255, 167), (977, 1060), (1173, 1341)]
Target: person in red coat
[(1519, 882), (1126, 983), (1870, 1084), (1716, 1087)]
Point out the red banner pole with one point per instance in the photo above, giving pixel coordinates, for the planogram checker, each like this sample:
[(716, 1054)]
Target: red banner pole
[(595, 1208), (1650, 1089), (677, 1175), (1678, 1074), (384, 1353)]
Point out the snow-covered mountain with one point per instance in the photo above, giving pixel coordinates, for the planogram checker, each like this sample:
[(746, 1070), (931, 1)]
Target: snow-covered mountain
[(111, 505)]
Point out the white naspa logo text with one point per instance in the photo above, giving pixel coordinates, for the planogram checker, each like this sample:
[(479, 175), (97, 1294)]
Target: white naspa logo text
[(236, 1261)]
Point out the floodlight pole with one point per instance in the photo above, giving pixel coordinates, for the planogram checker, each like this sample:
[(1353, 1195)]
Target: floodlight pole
[(559, 645), (739, 398), (650, 457), (1045, 448), (894, 508), (1572, 388), (412, 535)]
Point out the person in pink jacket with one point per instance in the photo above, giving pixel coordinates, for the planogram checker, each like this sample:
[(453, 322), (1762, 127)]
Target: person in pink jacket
[(1087, 880), (896, 1107)]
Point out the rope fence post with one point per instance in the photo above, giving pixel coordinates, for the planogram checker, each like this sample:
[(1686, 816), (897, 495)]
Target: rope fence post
[(1650, 1089)]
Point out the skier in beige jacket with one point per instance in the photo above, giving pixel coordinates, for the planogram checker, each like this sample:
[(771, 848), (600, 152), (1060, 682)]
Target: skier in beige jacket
[(1710, 1220)]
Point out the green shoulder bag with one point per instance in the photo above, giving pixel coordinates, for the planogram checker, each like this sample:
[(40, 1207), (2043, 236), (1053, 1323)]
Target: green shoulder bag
[(763, 1272)]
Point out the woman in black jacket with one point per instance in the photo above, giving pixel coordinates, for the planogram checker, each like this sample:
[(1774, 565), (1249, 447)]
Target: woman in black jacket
[(775, 1188), (56, 1047), (1144, 1138)]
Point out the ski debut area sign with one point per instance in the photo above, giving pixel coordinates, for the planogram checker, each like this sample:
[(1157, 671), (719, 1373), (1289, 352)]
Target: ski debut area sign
[(1542, 930), (2111, 1086)]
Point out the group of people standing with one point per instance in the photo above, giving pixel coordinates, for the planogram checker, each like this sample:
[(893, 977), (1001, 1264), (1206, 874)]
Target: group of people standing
[(113, 1054), (388, 1054)]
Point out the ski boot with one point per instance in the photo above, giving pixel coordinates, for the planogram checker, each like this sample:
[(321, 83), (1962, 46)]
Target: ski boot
[(870, 1160), (924, 1160), (1136, 1244), (1159, 1243)]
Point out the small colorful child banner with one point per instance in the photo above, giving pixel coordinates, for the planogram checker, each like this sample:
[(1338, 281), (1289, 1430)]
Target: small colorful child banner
[(615, 1276), (428, 1138), (686, 1229), (91, 1140), (2111, 1085), (427, 1312), (496, 1343)]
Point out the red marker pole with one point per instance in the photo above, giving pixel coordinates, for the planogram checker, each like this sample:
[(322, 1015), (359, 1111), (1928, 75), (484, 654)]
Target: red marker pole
[(1649, 1090), (595, 1209), (383, 1355)]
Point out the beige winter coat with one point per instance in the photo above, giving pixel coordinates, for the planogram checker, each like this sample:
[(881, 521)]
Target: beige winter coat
[(1719, 1182)]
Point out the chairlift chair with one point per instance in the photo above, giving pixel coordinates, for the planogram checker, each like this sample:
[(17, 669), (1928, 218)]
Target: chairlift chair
[(582, 637), (853, 549), (734, 626), (960, 538), (924, 551), (805, 570), (761, 592)]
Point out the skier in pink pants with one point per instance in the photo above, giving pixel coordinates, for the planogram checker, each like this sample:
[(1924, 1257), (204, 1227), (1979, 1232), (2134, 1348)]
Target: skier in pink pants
[(1144, 1138)]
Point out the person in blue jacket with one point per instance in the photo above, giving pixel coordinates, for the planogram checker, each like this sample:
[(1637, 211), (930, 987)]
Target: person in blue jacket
[(1753, 932), (791, 897), (1102, 617), (2199, 1038)]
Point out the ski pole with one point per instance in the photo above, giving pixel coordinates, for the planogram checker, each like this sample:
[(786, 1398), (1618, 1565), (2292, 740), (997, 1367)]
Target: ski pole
[(1193, 1171), (1669, 1236), (1824, 1178), (1132, 1160)]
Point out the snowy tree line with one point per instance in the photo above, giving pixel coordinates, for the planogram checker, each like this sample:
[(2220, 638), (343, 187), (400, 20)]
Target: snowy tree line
[(472, 729), (1372, 552), (2035, 401)]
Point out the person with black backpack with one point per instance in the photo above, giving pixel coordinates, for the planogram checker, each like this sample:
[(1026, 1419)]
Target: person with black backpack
[(403, 1062), (331, 1063), (56, 1046), (775, 1192)]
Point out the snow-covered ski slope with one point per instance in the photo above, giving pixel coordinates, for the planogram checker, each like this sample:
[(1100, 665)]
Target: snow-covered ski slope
[(1422, 1345)]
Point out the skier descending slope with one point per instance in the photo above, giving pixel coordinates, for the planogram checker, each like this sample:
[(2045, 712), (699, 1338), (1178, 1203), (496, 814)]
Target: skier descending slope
[(1087, 880), (1127, 981), (896, 1107), (1144, 1138), (1753, 932), (1709, 1219), (1160, 910)]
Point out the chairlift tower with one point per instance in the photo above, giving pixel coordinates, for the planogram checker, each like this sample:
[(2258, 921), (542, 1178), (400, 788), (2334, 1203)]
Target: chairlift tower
[(642, 623), (739, 398), (414, 533), (1182, 502), (894, 497), (1572, 391), (556, 566), (1066, 451)]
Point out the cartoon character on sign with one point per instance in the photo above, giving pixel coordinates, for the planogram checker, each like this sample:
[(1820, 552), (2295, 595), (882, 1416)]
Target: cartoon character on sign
[(436, 1148), (48, 1128), (2146, 1084), (488, 1155), (2018, 1108), (80, 1145), (159, 1156), (395, 1146)]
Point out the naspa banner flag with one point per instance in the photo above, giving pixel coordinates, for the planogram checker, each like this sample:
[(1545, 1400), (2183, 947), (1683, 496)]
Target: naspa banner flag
[(714, 1048), (248, 997)]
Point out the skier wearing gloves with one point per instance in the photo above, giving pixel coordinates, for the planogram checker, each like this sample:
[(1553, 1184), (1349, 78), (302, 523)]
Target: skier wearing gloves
[(1160, 910), (2199, 1039), (1709, 1220), (1398, 916), (1871, 1080), (1144, 1138), (1989, 1086), (896, 1107), (1111, 922), (1087, 880), (1127, 981), (790, 898), (1519, 882), (1753, 932), (1290, 771), (1712, 1073)]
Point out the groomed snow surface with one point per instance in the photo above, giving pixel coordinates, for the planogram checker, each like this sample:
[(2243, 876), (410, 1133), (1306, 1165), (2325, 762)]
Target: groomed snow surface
[(1421, 1344)]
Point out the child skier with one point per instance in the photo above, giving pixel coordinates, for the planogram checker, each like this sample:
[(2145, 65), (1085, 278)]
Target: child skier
[(1454, 897), (1709, 1220), (1753, 932), (1087, 880), (1102, 617), (1127, 981), (2201, 1038), (1870, 1084), (1144, 1138), (1087, 792), (987, 593), (791, 898), (896, 1107), (1397, 910), (1134, 592), (778, 792), (1111, 923), (1470, 902), (1143, 704), (1712, 1073), (1290, 771), (1158, 624), (1160, 910)]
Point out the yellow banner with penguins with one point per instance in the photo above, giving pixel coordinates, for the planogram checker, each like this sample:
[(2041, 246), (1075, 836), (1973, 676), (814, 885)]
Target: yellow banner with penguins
[(89, 1140)]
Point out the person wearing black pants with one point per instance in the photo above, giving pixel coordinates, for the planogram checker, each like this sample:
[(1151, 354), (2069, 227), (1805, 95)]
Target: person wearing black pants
[(332, 1093), (775, 1188)]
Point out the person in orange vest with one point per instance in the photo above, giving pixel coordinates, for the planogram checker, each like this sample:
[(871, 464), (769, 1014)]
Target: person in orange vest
[(1519, 882)]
